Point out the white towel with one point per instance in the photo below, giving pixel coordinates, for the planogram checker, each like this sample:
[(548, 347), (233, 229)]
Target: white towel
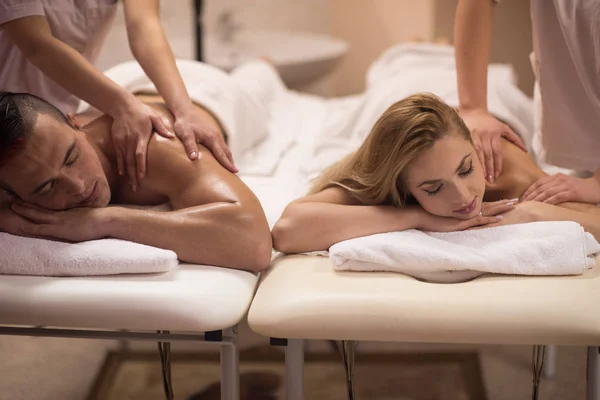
[(538, 248), (241, 101), (401, 71), (27, 256)]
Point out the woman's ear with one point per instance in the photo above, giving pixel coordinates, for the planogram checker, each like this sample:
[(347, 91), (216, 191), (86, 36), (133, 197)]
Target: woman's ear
[(73, 121)]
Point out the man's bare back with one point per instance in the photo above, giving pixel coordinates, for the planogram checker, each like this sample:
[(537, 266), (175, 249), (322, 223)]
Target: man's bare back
[(160, 152), (65, 185)]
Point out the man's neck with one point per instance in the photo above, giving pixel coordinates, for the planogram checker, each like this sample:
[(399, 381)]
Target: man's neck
[(98, 134)]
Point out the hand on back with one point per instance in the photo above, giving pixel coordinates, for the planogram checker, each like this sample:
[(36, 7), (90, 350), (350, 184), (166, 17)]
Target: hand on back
[(487, 133)]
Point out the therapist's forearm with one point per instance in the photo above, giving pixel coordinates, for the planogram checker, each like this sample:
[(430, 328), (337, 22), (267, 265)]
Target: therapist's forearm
[(151, 49), (78, 76), (221, 234), (472, 36), (314, 226)]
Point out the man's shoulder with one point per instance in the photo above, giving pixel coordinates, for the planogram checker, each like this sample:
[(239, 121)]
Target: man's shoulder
[(168, 158), (169, 166), (172, 173)]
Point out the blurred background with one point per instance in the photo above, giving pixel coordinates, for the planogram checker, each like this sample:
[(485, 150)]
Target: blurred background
[(367, 27)]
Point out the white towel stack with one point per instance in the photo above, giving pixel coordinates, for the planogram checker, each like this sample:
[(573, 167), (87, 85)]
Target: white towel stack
[(539, 248), (27, 256)]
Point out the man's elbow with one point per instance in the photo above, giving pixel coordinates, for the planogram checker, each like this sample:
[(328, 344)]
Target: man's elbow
[(258, 246), (260, 259)]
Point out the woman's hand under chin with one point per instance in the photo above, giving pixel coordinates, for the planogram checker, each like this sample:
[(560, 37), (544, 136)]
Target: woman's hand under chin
[(498, 213), (491, 216)]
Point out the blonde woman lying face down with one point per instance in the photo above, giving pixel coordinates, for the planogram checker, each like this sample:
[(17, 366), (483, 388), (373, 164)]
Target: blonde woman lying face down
[(417, 169)]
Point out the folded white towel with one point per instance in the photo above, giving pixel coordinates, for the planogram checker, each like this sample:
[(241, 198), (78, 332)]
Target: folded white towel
[(27, 256), (241, 101), (539, 248)]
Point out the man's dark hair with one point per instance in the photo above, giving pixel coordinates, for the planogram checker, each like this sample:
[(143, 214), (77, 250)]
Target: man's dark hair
[(18, 115)]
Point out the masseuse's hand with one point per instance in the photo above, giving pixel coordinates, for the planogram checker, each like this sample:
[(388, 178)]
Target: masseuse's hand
[(560, 188), (491, 213), (192, 128), (133, 125), (75, 225), (487, 132)]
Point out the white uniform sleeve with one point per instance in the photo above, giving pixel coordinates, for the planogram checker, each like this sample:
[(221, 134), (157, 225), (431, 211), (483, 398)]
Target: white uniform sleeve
[(15, 9)]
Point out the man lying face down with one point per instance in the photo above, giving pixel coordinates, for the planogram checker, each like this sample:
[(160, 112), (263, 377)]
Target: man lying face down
[(62, 183)]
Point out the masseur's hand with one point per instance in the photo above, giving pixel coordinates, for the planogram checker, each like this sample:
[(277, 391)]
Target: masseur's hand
[(487, 133), (133, 124), (560, 188), (490, 214), (191, 128), (75, 225)]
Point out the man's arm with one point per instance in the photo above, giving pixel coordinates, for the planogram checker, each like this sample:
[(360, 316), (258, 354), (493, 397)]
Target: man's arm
[(215, 220)]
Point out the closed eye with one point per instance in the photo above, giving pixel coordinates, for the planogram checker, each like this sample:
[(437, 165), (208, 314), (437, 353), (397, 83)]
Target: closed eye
[(48, 188), (468, 171), (72, 160), (435, 191)]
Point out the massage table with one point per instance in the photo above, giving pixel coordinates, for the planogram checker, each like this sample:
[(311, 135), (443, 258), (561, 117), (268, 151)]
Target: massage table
[(193, 303), (303, 297)]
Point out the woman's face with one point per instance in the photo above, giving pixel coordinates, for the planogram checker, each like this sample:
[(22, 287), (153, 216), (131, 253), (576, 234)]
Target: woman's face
[(447, 180)]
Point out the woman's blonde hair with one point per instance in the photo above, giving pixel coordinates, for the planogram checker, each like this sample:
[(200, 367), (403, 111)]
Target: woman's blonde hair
[(373, 174)]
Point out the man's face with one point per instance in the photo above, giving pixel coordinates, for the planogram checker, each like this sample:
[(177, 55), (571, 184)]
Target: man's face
[(57, 168)]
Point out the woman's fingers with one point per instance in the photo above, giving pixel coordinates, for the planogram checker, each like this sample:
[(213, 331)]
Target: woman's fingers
[(498, 207)]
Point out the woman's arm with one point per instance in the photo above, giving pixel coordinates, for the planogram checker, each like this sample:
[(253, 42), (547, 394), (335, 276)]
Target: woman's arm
[(66, 66), (151, 49), (472, 37), (133, 121), (318, 221), (532, 211)]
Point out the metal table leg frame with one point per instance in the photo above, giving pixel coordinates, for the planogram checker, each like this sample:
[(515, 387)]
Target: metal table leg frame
[(593, 373), (537, 365), (230, 378), (164, 349), (294, 369), (348, 354), (549, 370)]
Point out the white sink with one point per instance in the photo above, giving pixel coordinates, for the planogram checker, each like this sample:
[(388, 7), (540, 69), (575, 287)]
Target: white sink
[(300, 58)]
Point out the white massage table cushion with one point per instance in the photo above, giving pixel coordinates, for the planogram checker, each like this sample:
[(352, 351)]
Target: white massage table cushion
[(303, 297), (192, 298)]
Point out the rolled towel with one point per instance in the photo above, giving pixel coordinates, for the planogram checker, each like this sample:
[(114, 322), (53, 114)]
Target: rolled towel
[(27, 256), (538, 248), (233, 99)]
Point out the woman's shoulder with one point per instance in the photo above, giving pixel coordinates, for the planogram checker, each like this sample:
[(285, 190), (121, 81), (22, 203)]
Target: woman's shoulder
[(334, 194)]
